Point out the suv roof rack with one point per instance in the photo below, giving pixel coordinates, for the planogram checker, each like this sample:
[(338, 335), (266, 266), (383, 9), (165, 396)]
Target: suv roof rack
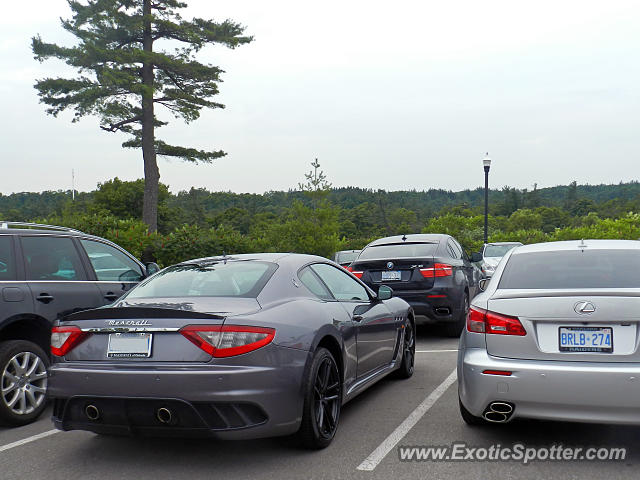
[(5, 225)]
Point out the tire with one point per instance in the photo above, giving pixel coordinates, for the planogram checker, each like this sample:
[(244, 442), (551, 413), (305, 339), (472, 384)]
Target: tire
[(23, 382), (468, 417), (455, 328), (408, 352), (322, 401)]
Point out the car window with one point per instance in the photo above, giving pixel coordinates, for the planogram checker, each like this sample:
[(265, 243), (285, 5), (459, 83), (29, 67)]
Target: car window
[(398, 250), (457, 248), (572, 269), (311, 281), (52, 258), (341, 285), (110, 264), (497, 250), (7, 259), (453, 251), (344, 257), (215, 279)]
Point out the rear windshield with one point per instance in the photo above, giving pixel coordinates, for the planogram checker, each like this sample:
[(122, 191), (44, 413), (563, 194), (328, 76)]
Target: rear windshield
[(398, 250), (344, 257), (573, 269), (231, 279), (498, 250)]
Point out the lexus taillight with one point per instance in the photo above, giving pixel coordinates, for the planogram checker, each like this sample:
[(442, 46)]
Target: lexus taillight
[(484, 321), (64, 339), (355, 272), (438, 270), (228, 340)]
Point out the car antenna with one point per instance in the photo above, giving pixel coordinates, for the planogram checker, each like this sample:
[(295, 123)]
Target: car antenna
[(582, 245), (404, 238), (224, 257)]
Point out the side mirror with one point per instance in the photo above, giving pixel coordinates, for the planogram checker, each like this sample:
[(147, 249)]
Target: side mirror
[(476, 257), (385, 293), (482, 284), (152, 268)]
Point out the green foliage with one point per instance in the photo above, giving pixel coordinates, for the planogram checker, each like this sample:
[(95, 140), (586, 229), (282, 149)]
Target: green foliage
[(302, 230)]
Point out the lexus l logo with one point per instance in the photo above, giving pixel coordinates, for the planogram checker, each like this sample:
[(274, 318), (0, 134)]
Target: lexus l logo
[(584, 308), (389, 265)]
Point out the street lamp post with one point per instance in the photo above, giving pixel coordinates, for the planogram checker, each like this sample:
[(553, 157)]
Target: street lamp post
[(486, 161)]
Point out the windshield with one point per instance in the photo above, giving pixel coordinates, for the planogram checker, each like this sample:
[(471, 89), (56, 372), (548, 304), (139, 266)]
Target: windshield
[(498, 250), (398, 250), (346, 257), (222, 279), (573, 269)]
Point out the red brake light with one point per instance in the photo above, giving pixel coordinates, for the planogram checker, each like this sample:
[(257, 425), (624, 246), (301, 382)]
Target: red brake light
[(356, 273), (228, 340), (484, 321), (64, 339), (438, 270)]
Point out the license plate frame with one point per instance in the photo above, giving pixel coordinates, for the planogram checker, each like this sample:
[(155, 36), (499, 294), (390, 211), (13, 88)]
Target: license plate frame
[(588, 333), (129, 345), (391, 275)]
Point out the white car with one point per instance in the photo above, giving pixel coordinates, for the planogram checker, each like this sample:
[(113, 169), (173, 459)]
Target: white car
[(492, 253)]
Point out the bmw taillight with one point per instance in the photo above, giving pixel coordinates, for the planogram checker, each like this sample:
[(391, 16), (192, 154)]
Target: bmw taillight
[(64, 339), (438, 270), (228, 340), (485, 321), (357, 273)]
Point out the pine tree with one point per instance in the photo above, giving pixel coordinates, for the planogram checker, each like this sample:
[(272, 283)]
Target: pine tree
[(122, 76)]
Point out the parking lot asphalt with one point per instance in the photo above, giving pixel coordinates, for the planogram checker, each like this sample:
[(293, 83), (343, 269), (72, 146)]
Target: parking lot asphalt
[(421, 411)]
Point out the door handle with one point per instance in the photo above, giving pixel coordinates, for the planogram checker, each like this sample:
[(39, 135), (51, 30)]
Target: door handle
[(357, 318), (111, 296), (44, 298)]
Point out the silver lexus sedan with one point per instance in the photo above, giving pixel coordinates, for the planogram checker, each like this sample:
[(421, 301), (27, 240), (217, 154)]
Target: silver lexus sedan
[(555, 336)]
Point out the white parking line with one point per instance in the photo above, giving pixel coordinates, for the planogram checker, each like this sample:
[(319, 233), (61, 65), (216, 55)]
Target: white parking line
[(436, 351), (24, 441), (372, 461)]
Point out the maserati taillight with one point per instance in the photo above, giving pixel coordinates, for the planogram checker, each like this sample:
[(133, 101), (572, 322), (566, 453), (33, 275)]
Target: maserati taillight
[(485, 321), (64, 339), (228, 340)]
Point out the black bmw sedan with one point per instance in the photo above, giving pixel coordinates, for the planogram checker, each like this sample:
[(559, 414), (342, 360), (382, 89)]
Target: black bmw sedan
[(430, 271)]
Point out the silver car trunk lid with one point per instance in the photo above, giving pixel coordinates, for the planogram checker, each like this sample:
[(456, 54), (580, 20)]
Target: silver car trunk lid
[(546, 315)]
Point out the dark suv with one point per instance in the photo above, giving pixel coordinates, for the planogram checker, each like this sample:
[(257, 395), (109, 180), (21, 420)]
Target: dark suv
[(430, 271), (47, 272)]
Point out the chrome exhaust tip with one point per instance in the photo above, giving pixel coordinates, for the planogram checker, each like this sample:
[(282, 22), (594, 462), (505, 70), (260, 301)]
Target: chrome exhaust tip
[(501, 407), (498, 412), (495, 417), (164, 415), (92, 412)]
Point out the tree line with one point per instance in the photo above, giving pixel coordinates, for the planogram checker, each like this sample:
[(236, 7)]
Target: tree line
[(315, 218)]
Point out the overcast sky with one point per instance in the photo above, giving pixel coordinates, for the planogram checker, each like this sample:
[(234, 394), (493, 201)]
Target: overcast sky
[(394, 95)]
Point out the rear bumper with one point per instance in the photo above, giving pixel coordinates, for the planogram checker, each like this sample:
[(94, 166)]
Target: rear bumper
[(228, 401), (440, 306), (551, 390)]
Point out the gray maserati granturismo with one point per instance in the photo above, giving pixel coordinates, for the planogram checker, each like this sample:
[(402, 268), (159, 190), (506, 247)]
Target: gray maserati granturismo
[(230, 347)]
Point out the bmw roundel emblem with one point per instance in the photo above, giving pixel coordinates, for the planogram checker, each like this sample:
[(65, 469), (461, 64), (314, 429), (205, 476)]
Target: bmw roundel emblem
[(389, 265)]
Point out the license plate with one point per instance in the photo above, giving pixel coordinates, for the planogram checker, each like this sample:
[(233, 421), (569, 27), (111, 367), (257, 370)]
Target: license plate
[(129, 345), (390, 275), (586, 339)]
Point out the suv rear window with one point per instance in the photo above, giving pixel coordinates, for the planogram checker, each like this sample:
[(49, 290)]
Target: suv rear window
[(220, 279), (398, 250), (572, 269)]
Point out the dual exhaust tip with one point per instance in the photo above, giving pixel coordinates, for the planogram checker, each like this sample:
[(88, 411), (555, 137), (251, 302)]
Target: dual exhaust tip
[(498, 412), (163, 414)]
